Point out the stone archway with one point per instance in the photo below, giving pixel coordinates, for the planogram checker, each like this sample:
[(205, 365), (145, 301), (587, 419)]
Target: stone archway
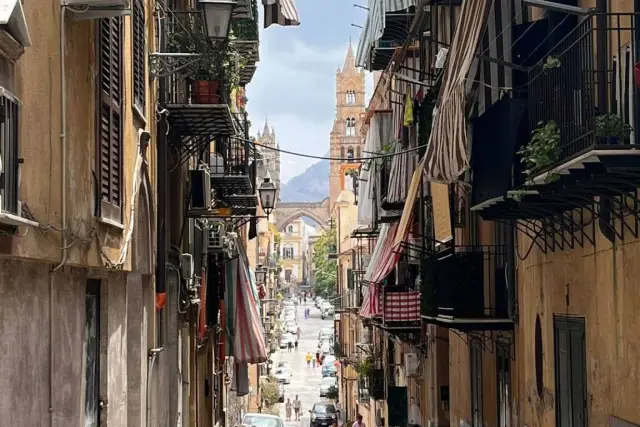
[(287, 212)]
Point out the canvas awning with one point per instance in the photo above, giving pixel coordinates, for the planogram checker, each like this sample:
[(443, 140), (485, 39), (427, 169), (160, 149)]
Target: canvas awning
[(447, 156), (407, 213), (280, 12), (373, 27)]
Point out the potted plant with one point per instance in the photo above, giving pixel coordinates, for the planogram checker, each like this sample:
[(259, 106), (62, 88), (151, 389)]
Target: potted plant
[(217, 66), (611, 129), (542, 151)]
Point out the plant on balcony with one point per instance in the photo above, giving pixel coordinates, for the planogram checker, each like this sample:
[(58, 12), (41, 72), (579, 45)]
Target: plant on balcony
[(352, 172), (611, 129), (550, 63), (218, 65), (542, 151), (363, 366), (247, 29)]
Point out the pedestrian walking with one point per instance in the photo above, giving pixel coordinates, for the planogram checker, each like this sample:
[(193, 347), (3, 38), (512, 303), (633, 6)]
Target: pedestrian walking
[(290, 346), (287, 407), (298, 332), (296, 346), (308, 358), (359, 422), (297, 406), (313, 361)]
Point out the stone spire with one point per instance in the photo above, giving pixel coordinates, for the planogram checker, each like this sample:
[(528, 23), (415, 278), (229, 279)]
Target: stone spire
[(349, 62), (265, 131)]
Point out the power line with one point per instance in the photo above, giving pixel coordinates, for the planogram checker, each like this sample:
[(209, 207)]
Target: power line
[(353, 159)]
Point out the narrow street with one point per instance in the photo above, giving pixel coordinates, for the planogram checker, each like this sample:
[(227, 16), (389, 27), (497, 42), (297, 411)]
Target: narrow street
[(305, 381)]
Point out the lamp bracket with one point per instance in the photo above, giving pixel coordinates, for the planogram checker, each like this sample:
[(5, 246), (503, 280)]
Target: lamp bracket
[(167, 64)]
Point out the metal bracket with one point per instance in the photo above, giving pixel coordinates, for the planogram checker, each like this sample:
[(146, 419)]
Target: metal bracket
[(167, 64)]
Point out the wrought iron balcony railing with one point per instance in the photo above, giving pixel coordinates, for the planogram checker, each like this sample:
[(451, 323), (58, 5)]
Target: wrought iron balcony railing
[(466, 289)]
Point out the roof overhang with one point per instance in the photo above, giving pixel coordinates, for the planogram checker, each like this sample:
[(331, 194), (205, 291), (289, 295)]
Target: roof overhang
[(13, 21)]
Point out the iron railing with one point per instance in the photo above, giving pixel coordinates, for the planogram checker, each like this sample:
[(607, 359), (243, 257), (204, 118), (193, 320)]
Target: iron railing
[(589, 73), (9, 158), (466, 282), (232, 157)]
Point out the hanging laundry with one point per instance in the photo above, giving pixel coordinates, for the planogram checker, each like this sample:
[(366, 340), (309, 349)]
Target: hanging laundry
[(408, 109)]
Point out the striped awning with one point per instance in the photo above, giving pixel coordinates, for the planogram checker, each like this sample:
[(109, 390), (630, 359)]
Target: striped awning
[(407, 213), (401, 307), (447, 156), (280, 12), (373, 27), (383, 261)]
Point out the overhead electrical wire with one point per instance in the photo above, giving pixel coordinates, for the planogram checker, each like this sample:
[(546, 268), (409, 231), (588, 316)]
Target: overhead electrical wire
[(352, 159)]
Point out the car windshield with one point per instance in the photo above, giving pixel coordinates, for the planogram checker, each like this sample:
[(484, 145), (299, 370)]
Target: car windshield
[(281, 372), (260, 421), (324, 409)]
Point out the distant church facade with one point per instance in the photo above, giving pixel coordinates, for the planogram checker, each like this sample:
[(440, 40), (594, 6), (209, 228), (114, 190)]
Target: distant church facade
[(271, 157), (345, 140)]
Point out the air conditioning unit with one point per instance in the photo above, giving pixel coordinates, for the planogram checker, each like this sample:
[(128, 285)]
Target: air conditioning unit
[(411, 364), (200, 189), (97, 9), (216, 239)]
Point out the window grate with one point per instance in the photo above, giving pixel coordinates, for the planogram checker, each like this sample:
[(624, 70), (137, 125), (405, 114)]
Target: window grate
[(139, 46), (109, 150), (9, 161)]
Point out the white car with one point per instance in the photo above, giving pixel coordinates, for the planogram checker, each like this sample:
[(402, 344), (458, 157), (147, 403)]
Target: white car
[(286, 339), (327, 308), (262, 420), (283, 375), (289, 317), (291, 327), (326, 384), (325, 348), (328, 360)]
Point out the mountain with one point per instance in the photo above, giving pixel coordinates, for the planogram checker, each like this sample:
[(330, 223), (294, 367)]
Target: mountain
[(312, 185)]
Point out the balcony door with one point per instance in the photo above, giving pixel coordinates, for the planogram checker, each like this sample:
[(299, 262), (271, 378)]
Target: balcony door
[(503, 370), (571, 371)]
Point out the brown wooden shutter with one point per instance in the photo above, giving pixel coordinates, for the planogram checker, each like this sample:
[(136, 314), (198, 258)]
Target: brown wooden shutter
[(109, 150), (139, 86)]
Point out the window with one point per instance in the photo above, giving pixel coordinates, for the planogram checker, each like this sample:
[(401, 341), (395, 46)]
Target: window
[(571, 372), (504, 386), (9, 161), (91, 354), (109, 137), (350, 97), (287, 275), (139, 45), (350, 153), (350, 127), (290, 229), (287, 252)]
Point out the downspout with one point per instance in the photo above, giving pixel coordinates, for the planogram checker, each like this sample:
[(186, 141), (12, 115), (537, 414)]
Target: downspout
[(50, 350), (63, 142), (150, 362)]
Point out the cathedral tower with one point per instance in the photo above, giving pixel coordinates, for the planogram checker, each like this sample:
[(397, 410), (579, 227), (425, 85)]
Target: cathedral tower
[(345, 140), (271, 157)]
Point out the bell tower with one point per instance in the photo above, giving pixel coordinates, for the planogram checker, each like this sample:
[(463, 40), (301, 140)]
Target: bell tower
[(271, 157), (345, 140)]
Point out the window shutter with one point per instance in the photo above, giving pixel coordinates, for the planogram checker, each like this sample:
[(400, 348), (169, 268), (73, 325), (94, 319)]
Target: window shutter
[(139, 69), (349, 278), (109, 150)]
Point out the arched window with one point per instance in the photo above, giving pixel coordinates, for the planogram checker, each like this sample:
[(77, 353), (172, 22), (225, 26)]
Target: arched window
[(350, 153), (351, 127), (350, 97)]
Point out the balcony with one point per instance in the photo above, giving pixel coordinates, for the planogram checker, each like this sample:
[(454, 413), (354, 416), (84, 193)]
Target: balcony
[(582, 128), (396, 31), (466, 289), (246, 42)]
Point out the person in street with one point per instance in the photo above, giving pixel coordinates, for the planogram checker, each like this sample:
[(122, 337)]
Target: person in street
[(298, 332), (290, 346), (297, 405), (318, 358), (359, 422), (296, 345), (287, 407), (313, 361), (308, 358)]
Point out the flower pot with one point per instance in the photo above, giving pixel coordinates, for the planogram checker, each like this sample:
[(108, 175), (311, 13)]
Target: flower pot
[(205, 92)]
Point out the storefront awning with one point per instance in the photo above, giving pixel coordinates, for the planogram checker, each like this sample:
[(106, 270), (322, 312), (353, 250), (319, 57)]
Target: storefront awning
[(447, 157), (280, 12)]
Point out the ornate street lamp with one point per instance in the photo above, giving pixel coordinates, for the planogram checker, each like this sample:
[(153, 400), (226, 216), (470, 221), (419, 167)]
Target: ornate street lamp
[(217, 17), (267, 194), (261, 275)]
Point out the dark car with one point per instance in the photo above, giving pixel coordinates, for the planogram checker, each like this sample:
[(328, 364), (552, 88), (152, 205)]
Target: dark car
[(323, 414)]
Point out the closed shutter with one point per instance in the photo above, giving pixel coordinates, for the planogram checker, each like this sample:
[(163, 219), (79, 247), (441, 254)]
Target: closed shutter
[(139, 45), (109, 150)]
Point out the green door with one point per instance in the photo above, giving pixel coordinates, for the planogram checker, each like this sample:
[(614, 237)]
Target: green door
[(397, 406)]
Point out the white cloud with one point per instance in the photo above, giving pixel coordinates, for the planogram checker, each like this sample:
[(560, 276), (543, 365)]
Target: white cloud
[(294, 87)]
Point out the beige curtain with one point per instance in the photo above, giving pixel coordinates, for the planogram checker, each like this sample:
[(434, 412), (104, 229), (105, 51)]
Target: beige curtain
[(441, 211)]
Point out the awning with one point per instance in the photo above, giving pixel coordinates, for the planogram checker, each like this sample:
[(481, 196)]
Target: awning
[(441, 212), (446, 154), (373, 27), (407, 213), (12, 16), (383, 261), (280, 12), (401, 307)]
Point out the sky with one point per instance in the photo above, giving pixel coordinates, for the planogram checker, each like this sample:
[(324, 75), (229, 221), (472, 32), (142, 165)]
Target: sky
[(294, 85)]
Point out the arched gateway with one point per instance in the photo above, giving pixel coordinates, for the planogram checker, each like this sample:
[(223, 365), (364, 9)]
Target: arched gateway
[(290, 211)]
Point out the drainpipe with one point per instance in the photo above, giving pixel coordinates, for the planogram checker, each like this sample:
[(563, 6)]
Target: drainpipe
[(63, 141), (150, 362), (50, 350)]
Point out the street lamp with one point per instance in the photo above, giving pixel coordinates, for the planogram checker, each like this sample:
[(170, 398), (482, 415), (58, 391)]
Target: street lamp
[(267, 194), (261, 275), (217, 17)]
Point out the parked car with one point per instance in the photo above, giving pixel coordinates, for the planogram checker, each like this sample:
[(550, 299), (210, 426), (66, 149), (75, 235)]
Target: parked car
[(319, 302), (261, 420), (323, 414), (329, 371), (291, 327), (326, 384), (283, 375), (284, 365), (327, 308), (285, 339), (328, 360)]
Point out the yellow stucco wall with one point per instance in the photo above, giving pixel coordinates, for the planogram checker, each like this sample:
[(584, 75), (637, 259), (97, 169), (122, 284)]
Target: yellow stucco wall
[(36, 83)]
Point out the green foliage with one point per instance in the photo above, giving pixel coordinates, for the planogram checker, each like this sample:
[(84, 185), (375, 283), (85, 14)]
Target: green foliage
[(247, 29), (332, 393), (542, 151), (326, 275), (352, 172), (269, 392), (612, 126), (363, 366)]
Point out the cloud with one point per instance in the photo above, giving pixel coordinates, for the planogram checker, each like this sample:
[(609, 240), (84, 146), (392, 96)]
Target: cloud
[(294, 88)]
